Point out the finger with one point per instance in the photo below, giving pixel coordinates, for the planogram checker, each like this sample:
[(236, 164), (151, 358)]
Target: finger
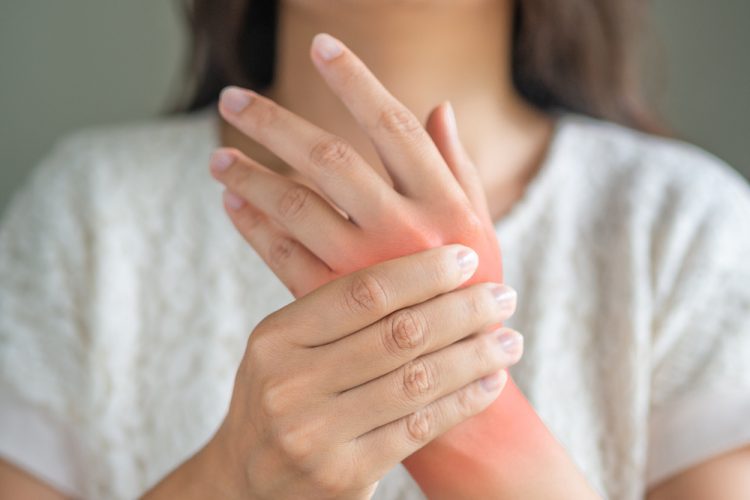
[(298, 269), (441, 125), (329, 161), (411, 332), (357, 300), (306, 216), (392, 443), (426, 379), (406, 149)]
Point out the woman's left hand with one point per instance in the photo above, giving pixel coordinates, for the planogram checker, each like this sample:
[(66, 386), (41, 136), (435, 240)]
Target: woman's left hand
[(433, 196)]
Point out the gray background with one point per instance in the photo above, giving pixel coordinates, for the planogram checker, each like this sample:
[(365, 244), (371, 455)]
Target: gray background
[(74, 63)]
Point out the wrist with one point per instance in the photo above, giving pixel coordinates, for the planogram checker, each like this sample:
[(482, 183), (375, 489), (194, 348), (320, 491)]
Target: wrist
[(210, 473)]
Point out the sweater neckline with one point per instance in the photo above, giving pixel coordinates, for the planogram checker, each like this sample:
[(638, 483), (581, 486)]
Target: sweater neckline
[(542, 179)]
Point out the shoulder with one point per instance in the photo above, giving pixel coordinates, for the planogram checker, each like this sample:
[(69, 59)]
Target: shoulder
[(127, 149), (681, 215), (155, 136), (664, 185), (99, 183), (125, 153), (660, 171), (88, 216), (662, 209), (98, 172)]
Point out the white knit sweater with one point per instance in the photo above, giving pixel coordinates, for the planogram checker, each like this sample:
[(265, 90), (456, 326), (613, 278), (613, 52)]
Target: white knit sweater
[(126, 298)]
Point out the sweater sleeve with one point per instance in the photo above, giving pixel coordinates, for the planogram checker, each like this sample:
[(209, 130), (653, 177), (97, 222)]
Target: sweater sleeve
[(44, 254), (700, 394)]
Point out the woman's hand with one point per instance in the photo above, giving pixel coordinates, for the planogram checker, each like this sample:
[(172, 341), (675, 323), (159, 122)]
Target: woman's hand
[(431, 196), (338, 387)]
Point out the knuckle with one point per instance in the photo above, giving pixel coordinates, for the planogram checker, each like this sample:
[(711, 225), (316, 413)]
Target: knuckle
[(485, 351), (406, 331), (472, 223), (274, 400), (297, 451), (467, 402), (298, 440), (420, 425), (264, 328), (264, 113), (244, 180), (329, 481), (439, 270), (398, 120), (420, 230), (250, 220), (264, 347), (424, 238), (271, 324), (293, 201), (258, 347), (281, 392), (476, 303), (332, 153), (281, 251), (418, 380), (366, 293)]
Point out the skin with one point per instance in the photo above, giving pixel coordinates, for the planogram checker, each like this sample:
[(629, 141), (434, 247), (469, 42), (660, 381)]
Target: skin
[(500, 126)]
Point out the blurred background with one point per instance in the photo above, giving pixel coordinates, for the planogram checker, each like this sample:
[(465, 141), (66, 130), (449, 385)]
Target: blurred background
[(79, 63)]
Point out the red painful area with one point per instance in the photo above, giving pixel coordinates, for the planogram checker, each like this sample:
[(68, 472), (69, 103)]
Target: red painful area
[(497, 450), (419, 229)]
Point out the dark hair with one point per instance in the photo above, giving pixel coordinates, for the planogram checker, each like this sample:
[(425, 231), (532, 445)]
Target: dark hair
[(576, 55)]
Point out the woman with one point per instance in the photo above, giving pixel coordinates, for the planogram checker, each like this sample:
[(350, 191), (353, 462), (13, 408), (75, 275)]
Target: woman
[(127, 296)]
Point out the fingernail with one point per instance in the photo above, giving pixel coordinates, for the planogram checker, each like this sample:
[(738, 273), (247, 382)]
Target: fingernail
[(490, 383), (506, 298), (510, 342), (221, 160), (235, 99), (467, 262), (233, 201), (326, 46)]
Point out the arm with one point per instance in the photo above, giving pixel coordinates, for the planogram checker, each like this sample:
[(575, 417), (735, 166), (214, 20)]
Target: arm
[(726, 477), (16, 483)]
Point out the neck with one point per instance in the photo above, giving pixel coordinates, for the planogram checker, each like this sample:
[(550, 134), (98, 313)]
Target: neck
[(424, 53)]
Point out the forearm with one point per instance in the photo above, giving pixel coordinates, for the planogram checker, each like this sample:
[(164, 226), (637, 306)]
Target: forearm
[(505, 452), (204, 475)]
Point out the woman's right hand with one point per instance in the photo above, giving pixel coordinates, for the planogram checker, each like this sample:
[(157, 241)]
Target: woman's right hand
[(339, 386)]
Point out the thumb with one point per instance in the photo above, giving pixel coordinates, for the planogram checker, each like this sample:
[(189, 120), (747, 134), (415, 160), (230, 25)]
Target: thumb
[(441, 125)]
